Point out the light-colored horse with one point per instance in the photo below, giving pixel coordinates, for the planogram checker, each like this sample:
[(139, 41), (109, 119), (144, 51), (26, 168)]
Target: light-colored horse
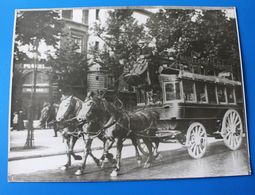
[(72, 131)]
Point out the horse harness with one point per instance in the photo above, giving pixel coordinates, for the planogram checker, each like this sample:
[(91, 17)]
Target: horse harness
[(142, 134)]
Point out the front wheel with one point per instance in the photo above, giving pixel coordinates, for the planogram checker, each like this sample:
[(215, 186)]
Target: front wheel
[(232, 129), (196, 140)]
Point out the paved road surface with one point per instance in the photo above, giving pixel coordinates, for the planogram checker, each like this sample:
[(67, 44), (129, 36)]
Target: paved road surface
[(219, 161)]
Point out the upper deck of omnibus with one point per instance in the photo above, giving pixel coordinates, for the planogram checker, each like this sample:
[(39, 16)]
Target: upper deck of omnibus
[(198, 89)]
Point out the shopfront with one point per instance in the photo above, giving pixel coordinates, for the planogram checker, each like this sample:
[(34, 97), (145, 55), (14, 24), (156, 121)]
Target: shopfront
[(42, 94)]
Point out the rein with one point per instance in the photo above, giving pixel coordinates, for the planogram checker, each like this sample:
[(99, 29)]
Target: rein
[(70, 119), (52, 122), (75, 133), (63, 121), (94, 135)]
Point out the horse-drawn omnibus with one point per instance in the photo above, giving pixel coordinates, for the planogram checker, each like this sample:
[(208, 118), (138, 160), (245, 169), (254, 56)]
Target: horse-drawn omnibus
[(195, 106), (188, 108)]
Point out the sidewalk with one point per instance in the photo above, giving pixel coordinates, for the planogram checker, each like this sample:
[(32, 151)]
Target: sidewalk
[(46, 145)]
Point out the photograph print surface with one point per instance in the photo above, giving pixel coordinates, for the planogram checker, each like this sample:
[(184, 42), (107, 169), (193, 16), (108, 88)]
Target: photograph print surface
[(132, 93)]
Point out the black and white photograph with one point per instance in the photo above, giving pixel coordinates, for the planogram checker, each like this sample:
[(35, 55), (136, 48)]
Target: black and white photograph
[(126, 93)]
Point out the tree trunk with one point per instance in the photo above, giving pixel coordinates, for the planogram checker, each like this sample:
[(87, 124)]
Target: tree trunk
[(30, 129)]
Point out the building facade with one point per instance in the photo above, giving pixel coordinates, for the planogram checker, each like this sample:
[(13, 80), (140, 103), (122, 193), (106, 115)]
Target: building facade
[(100, 79), (75, 28)]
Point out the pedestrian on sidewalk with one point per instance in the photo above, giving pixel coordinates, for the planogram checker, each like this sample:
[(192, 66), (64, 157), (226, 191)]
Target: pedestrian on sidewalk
[(20, 121), (15, 121)]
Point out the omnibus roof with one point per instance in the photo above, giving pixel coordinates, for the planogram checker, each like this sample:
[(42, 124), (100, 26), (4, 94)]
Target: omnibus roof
[(199, 77)]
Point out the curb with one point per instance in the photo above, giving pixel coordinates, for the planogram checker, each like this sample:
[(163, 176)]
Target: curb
[(56, 153)]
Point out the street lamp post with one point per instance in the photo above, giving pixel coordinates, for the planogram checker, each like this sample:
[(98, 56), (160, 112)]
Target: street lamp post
[(30, 129)]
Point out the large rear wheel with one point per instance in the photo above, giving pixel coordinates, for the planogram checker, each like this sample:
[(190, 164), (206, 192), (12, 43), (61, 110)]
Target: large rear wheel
[(232, 129), (196, 140)]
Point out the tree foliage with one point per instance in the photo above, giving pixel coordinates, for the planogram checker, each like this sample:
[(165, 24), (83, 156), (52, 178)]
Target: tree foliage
[(33, 27), (69, 65), (121, 35), (199, 34), (36, 27)]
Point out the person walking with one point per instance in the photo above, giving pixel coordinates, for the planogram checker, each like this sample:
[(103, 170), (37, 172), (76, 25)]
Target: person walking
[(15, 121), (20, 121)]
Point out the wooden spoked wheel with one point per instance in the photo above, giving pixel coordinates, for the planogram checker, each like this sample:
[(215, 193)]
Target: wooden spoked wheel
[(232, 129), (196, 140)]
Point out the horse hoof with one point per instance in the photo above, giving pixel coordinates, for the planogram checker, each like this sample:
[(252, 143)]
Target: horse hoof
[(147, 165), (77, 157), (78, 172), (139, 162), (114, 173), (159, 157), (98, 163), (64, 168)]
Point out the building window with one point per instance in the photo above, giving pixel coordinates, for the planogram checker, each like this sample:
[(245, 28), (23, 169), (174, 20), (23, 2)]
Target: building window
[(77, 15), (85, 16), (105, 82), (41, 78), (110, 82), (78, 42), (97, 14), (68, 14), (96, 45), (97, 78)]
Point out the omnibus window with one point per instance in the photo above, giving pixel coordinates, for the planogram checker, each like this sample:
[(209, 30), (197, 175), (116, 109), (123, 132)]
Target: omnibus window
[(201, 94), (211, 94), (230, 94), (188, 89), (172, 91), (221, 94), (239, 94)]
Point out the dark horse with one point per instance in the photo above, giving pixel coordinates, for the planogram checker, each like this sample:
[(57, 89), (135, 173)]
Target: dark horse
[(48, 117), (118, 126)]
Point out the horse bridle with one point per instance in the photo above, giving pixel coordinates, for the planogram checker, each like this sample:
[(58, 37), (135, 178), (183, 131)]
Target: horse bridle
[(93, 135), (88, 114)]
